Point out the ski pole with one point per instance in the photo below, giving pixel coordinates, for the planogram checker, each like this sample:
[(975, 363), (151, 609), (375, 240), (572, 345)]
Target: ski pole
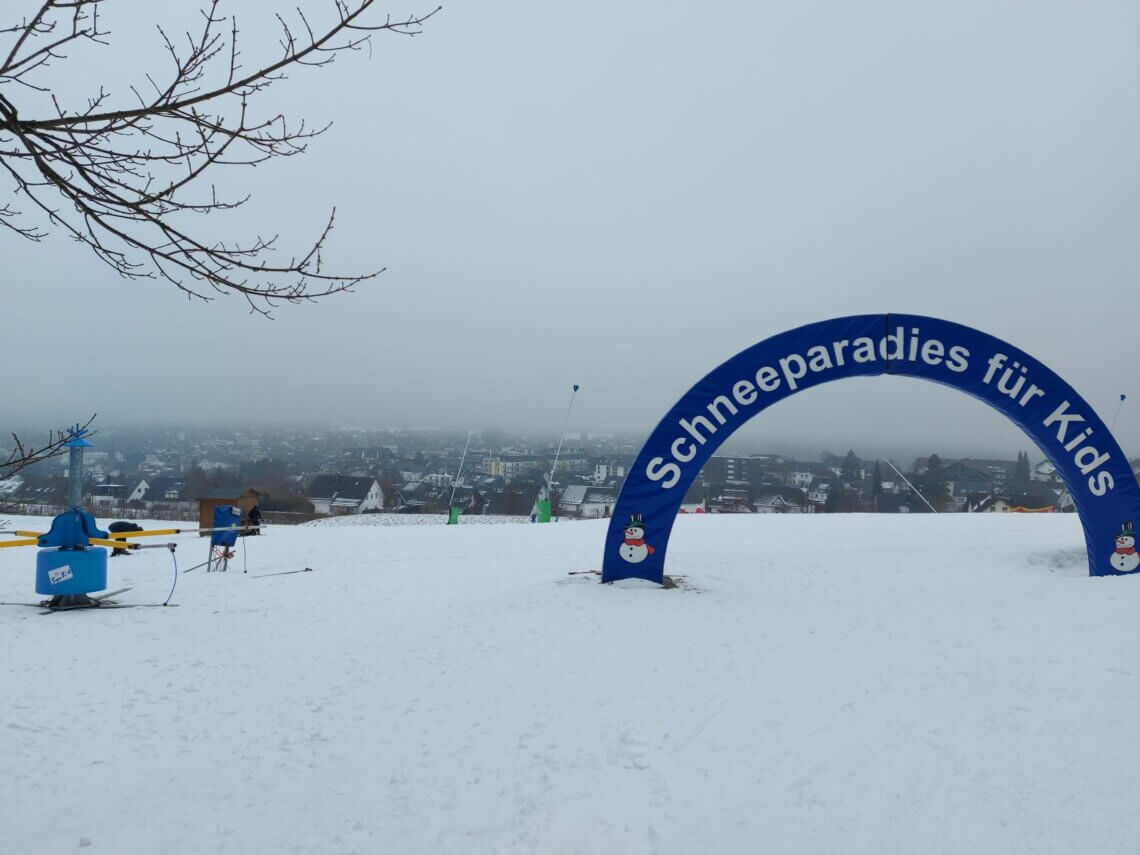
[(196, 566)]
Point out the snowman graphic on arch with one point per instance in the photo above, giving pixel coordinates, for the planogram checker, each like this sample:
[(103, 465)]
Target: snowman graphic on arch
[(634, 549), (1125, 558)]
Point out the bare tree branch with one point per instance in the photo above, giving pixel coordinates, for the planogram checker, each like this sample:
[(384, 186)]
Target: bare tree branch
[(122, 178), (25, 454)]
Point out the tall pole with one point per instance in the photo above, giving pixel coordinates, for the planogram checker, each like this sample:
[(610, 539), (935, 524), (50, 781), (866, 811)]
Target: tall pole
[(1119, 404), (934, 509), (75, 446), (455, 483), (565, 421)]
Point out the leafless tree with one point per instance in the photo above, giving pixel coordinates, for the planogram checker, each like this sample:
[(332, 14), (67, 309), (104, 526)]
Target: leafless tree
[(125, 177), (24, 454)]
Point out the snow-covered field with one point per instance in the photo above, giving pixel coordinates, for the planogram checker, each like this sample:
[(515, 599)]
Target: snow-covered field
[(412, 519), (831, 684)]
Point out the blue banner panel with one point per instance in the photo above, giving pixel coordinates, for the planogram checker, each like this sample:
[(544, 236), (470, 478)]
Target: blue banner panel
[(1061, 424)]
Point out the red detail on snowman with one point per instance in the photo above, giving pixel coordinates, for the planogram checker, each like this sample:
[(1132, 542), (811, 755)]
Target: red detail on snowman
[(1124, 558), (634, 549)]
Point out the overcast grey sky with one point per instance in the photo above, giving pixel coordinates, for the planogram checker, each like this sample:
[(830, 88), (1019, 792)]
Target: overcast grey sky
[(625, 194)]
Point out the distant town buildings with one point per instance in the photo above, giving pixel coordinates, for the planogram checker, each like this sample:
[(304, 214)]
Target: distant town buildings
[(300, 474)]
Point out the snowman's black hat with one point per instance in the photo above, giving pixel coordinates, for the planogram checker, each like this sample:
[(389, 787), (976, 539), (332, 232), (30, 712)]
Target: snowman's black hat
[(1126, 530), (635, 521)]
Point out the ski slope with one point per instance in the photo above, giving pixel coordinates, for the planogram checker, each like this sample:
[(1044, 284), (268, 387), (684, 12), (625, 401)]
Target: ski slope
[(818, 684)]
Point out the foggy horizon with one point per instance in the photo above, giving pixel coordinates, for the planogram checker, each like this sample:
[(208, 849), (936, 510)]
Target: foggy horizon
[(625, 207), (739, 444)]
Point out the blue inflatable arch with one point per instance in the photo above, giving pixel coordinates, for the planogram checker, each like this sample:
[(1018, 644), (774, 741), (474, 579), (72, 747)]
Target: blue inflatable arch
[(1065, 428)]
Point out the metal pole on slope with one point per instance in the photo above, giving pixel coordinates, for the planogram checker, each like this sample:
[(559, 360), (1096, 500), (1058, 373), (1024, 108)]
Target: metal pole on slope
[(1119, 404), (452, 516), (905, 481), (545, 511), (75, 447)]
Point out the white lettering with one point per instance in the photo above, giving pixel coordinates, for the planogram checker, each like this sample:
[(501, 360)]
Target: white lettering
[(1103, 483), (1031, 392), (957, 361), (671, 472), (1059, 415), (864, 349), (677, 455), (744, 392), (791, 376), (1095, 462), (838, 347), (895, 338), (691, 428), (995, 362), (721, 401), (932, 352), (767, 379), (819, 358)]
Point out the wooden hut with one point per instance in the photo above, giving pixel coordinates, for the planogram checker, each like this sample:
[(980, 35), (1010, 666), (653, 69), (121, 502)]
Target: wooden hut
[(241, 497)]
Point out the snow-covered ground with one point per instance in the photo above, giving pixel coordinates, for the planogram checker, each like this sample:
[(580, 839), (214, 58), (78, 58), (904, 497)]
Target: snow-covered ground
[(831, 684), (412, 519)]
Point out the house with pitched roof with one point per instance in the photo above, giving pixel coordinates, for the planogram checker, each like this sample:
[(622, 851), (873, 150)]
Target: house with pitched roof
[(964, 477), (117, 493), (782, 500), (345, 494), (518, 499), (586, 501), (164, 488)]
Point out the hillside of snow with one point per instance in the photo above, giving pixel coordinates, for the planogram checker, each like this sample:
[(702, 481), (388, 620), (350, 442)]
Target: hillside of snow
[(818, 684)]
